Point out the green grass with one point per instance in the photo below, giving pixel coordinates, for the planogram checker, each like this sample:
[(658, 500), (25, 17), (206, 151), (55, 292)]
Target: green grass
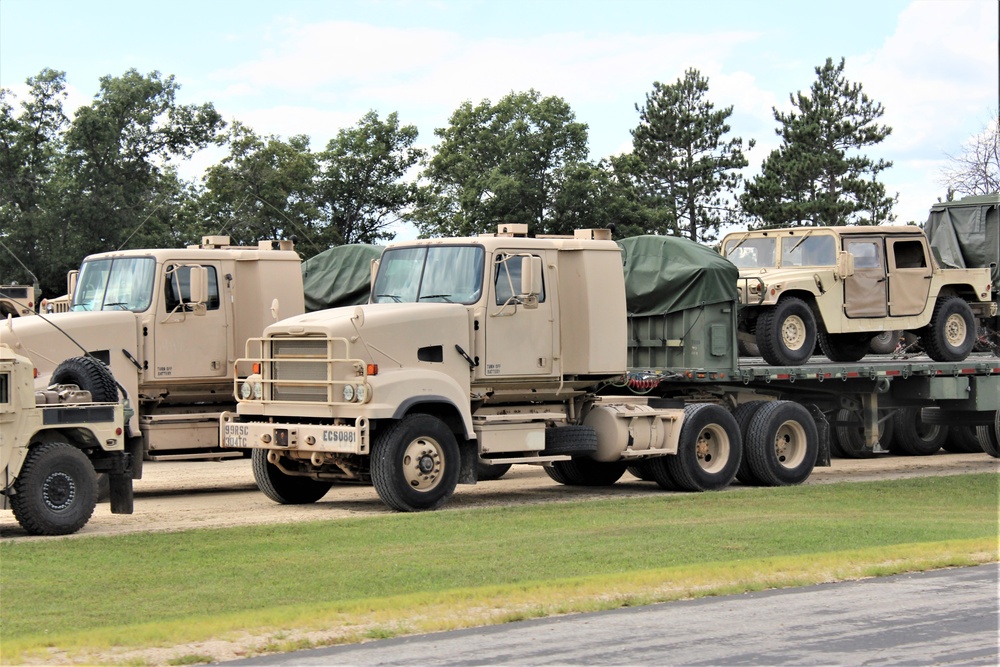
[(504, 563)]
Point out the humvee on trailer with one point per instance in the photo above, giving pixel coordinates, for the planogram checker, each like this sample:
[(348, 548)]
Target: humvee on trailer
[(840, 286)]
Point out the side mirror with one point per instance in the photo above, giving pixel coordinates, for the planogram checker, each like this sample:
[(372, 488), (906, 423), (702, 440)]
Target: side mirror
[(531, 276), (371, 280), (845, 264), (199, 285), (71, 278)]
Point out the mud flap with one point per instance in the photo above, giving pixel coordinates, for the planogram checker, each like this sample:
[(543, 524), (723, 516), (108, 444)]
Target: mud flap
[(823, 429), (469, 453), (134, 446), (121, 493)]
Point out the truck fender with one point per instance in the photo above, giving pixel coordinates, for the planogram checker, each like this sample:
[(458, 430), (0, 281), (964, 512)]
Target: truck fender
[(440, 406)]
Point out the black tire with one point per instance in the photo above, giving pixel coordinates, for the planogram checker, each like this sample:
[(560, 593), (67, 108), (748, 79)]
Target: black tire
[(885, 342), (783, 444), (282, 488), (848, 435), (747, 349), (786, 333), (487, 472), (709, 449), (570, 440), (743, 414), (956, 417), (587, 472), (56, 490), (844, 347), (915, 437), (90, 375), (951, 332), (415, 464), (642, 470), (989, 437), (556, 475), (962, 440)]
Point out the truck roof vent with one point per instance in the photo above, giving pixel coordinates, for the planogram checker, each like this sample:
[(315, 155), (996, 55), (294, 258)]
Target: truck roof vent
[(214, 241)]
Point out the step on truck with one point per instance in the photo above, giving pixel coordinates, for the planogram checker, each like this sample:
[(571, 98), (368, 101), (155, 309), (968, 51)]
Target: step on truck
[(169, 323), (54, 443)]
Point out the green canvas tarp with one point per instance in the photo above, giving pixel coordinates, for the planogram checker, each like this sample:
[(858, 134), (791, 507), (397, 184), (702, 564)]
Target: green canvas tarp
[(666, 274), (340, 276), (965, 234)]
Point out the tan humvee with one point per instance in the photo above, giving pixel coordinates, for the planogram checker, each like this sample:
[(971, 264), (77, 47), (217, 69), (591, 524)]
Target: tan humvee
[(840, 286), (17, 300), (52, 443)]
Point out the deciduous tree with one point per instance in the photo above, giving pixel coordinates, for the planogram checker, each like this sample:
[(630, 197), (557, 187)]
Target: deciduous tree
[(976, 170)]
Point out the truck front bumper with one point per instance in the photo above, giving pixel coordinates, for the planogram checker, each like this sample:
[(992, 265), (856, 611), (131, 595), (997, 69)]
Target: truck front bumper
[(322, 438)]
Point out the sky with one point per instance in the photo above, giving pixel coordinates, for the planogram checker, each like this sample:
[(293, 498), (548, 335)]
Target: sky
[(314, 67)]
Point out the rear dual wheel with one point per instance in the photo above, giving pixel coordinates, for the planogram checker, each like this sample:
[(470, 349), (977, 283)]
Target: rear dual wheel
[(782, 444)]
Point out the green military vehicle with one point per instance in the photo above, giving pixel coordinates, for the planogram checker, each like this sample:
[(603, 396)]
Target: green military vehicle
[(841, 286)]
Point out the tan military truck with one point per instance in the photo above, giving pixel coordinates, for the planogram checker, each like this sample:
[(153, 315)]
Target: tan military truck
[(17, 300), (841, 286), (168, 323), (53, 443)]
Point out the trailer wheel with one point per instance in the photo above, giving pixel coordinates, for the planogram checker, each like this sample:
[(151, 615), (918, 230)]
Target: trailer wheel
[(989, 437), (743, 414), (885, 342), (916, 437), (709, 449), (570, 440), (587, 472), (783, 444), (90, 375), (951, 332), (786, 333), (962, 440), (487, 472), (844, 347), (849, 441), (56, 492), (415, 464), (282, 488), (556, 475), (957, 417)]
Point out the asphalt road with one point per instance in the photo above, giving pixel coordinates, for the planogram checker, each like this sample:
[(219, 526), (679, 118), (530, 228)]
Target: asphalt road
[(943, 617)]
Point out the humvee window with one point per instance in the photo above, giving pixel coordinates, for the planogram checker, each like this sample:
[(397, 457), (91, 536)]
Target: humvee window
[(751, 253), (808, 251)]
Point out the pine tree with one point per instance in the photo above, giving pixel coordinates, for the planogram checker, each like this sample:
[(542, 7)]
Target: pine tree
[(818, 175), (687, 167)]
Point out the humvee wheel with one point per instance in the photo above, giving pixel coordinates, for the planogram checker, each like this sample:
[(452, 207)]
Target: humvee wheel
[(582, 471), (282, 488), (786, 333), (844, 347), (951, 332), (56, 492), (415, 464), (782, 445), (708, 451)]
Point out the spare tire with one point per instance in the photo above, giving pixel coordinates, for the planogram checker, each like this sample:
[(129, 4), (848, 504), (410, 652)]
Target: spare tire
[(90, 375)]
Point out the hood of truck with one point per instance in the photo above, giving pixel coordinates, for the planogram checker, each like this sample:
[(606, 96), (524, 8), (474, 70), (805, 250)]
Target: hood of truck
[(390, 334), (48, 340)]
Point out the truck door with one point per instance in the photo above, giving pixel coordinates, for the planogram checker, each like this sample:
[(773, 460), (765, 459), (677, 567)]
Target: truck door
[(865, 292), (518, 335), (188, 343), (909, 276)]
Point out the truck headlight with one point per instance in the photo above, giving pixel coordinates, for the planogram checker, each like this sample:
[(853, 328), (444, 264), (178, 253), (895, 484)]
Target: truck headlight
[(245, 391), (251, 387), (348, 392), (360, 393)]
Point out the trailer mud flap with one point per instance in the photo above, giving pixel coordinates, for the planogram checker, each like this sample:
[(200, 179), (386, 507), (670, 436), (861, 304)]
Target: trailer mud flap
[(823, 459)]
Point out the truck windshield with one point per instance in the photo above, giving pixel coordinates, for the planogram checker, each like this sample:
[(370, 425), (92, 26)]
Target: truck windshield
[(818, 250), (452, 274), (123, 283), (751, 252)]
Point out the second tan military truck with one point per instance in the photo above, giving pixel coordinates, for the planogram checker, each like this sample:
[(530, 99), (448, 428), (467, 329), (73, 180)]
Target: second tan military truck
[(840, 286)]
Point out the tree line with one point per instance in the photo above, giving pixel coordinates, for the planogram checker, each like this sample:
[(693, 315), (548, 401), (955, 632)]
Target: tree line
[(107, 178)]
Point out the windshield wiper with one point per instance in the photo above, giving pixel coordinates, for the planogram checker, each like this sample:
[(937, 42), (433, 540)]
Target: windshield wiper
[(391, 296), (738, 244), (801, 241), (120, 304), (436, 296)]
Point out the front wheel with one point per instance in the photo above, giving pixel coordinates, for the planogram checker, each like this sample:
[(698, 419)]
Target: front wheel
[(282, 488), (56, 492), (951, 332), (415, 464), (786, 333)]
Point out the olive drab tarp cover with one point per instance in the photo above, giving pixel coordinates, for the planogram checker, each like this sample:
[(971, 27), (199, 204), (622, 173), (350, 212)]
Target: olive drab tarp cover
[(340, 276), (666, 274), (965, 234)]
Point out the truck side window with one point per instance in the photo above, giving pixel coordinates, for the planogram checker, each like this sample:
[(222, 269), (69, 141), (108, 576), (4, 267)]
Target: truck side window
[(507, 278), (865, 256), (909, 255), (177, 285)]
